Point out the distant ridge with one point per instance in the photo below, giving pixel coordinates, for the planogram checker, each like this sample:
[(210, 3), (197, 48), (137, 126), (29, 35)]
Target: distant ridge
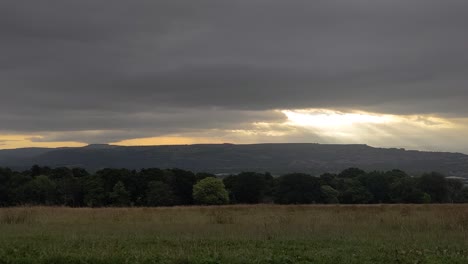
[(231, 158), (100, 146)]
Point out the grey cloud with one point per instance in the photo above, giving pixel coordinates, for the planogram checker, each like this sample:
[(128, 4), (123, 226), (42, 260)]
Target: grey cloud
[(115, 126), (162, 66)]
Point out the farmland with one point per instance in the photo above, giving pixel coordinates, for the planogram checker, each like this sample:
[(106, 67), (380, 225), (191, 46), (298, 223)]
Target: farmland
[(236, 234)]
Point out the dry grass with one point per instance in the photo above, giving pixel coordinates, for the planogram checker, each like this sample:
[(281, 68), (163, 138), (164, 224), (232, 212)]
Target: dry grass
[(16, 216), (236, 234)]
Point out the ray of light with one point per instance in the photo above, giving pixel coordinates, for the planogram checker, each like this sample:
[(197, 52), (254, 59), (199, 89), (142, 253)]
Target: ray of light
[(324, 118)]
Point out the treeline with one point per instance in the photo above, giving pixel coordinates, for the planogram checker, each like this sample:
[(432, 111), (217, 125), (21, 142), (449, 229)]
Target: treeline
[(156, 187)]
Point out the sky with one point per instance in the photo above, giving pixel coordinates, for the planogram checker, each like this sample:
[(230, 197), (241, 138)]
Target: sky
[(143, 72)]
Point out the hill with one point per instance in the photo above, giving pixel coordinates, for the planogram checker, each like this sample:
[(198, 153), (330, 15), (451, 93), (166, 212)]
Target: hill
[(230, 158)]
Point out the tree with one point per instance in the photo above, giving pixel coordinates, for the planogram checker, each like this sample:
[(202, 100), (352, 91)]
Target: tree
[(70, 191), (159, 194), (181, 182), (153, 174), (15, 190), (329, 179), (95, 195), (396, 175), (351, 173), (36, 170), (355, 193), (142, 180), (60, 173), (329, 195), (435, 185), (378, 184), (202, 175), (156, 187), (5, 185), (40, 190), (269, 188), (120, 196), (406, 190), (110, 177), (79, 172), (297, 188), (210, 191), (465, 194), (248, 187), (455, 191)]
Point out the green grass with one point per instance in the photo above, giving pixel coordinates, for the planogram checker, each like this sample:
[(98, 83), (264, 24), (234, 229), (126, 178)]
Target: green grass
[(236, 234)]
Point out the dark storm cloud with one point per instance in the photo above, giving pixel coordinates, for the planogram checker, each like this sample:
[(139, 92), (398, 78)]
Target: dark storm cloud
[(166, 66)]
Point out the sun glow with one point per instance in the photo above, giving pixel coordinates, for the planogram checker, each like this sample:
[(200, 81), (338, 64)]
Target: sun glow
[(323, 118)]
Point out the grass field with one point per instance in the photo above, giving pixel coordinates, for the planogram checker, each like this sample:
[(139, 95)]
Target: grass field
[(236, 234)]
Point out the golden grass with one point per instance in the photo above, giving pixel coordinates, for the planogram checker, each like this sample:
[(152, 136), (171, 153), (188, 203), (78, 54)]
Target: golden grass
[(251, 220)]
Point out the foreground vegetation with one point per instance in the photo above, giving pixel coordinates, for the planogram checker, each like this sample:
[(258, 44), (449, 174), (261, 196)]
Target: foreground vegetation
[(236, 234), (169, 187)]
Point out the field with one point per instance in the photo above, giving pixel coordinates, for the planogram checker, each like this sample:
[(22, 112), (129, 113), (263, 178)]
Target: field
[(236, 234)]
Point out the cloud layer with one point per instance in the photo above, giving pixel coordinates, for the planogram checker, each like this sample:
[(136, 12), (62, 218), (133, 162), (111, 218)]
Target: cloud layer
[(105, 71)]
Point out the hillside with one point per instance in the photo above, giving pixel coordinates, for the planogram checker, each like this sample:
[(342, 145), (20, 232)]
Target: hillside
[(229, 158)]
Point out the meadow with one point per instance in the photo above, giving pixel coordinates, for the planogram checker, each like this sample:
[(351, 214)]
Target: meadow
[(236, 234)]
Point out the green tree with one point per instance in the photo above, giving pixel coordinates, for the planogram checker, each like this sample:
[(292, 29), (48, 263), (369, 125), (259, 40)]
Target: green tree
[(378, 184), (94, 193), (329, 179), (406, 190), (5, 186), (110, 177), (60, 173), (202, 175), (70, 191), (248, 187), (455, 191), (355, 193), (351, 173), (142, 180), (79, 172), (465, 194), (297, 188), (40, 190), (210, 191), (120, 196), (436, 186), (36, 170), (181, 182), (268, 194), (329, 194), (159, 194)]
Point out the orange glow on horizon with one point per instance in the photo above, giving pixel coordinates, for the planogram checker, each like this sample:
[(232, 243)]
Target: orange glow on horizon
[(424, 132), (26, 141), (170, 140)]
